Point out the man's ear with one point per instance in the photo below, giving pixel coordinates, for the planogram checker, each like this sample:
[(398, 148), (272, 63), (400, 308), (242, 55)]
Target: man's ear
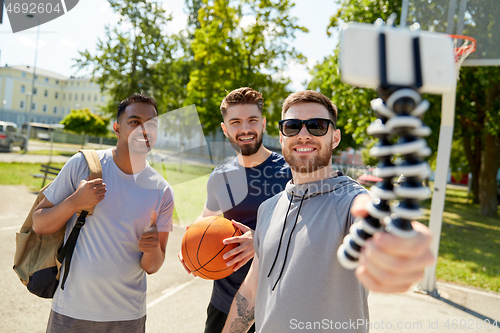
[(116, 128), (224, 129), (336, 139), (264, 124)]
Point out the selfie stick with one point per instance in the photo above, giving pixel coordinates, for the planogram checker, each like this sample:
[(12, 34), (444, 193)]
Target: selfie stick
[(399, 110)]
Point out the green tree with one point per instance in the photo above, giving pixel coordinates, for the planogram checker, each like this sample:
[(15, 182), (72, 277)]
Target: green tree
[(85, 122), (478, 98), (241, 43), (127, 59)]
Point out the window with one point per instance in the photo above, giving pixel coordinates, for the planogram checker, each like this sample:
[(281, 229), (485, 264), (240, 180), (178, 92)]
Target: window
[(45, 108), (11, 129), (62, 111), (34, 91), (83, 97), (69, 95), (57, 95), (24, 74), (55, 110), (36, 77), (102, 98), (23, 89), (21, 104), (20, 119), (95, 98), (33, 106), (76, 97), (46, 93), (46, 79), (64, 97), (91, 84), (57, 82)]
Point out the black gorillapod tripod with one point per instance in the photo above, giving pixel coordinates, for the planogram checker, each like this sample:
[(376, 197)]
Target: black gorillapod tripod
[(399, 112)]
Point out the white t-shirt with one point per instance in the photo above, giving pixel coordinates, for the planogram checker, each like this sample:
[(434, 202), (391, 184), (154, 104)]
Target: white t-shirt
[(106, 281)]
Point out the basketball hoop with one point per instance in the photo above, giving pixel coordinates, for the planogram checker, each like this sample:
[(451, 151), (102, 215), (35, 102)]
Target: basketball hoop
[(463, 51)]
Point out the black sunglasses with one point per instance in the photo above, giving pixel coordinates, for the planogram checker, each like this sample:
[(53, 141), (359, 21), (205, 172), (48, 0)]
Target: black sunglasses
[(315, 126)]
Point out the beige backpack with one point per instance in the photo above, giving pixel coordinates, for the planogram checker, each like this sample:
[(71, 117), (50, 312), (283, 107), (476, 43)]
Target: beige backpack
[(38, 259)]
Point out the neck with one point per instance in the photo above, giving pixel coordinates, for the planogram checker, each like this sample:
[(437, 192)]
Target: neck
[(256, 159), (310, 177), (128, 162)]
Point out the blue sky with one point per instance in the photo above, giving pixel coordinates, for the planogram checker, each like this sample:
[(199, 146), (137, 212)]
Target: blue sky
[(79, 29)]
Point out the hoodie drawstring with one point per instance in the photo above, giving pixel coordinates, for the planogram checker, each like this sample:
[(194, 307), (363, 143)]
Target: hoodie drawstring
[(289, 238)]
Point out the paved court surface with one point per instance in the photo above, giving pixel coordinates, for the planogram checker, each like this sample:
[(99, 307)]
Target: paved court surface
[(177, 301)]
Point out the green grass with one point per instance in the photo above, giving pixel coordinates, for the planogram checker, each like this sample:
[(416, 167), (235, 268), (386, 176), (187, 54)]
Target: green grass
[(21, 174), (47, 152), (469, 252), (190, 189)]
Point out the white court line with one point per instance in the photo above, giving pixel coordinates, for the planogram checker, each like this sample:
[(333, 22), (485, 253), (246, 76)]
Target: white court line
[(10, 228), (169, 292)]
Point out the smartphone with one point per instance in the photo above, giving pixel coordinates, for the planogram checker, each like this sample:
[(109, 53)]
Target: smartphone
[(360, 54)]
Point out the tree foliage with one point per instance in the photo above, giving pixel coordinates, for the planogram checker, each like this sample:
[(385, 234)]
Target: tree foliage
[(126, 60), (85, 122), (241, 43), (478, 98)]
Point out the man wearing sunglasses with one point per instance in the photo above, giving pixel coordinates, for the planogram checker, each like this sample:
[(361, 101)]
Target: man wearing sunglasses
[(237, 188), (296, 281)]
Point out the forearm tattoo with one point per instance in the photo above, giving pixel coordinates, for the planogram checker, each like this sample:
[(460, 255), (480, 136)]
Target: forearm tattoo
[(246, 316)]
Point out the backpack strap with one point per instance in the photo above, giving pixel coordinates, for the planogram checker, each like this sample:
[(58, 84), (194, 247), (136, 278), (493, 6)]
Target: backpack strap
[(95, 169), (67, 250)]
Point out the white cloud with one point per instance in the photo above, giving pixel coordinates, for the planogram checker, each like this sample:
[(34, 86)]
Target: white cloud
[(31, 43), (104, 8), (69, 44), (179, 22), (246, 21)]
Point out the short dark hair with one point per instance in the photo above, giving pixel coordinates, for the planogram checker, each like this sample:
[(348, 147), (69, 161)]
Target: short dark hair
[(310, 96), (244, 95), (135, 98)]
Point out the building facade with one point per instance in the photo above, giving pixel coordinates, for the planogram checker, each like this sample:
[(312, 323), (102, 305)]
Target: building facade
[(52, 98)]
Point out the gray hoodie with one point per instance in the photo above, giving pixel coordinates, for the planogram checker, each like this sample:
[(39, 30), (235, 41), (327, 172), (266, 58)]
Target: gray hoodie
[(301, 284)]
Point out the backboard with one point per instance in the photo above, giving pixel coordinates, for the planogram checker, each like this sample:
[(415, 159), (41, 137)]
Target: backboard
[(475, 18)]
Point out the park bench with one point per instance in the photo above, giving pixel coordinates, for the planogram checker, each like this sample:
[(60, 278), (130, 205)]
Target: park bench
[(46, 173)]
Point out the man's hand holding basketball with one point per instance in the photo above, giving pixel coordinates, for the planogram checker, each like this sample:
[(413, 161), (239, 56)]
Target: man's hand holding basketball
[(150, 241), (243, 253), (388, 263)]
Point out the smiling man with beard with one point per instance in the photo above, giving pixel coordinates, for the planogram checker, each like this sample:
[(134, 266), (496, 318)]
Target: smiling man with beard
[(237, 188), (295, 280)]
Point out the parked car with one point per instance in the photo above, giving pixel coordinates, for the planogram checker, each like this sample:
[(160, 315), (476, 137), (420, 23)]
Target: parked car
[(10, 136)]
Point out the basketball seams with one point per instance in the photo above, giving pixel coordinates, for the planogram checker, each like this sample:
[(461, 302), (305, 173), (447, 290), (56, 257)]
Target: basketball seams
[(202, 270)]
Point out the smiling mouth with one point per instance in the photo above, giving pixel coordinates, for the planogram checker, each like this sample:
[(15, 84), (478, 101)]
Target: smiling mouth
[(246, 138), (304, 150), (143, 140)]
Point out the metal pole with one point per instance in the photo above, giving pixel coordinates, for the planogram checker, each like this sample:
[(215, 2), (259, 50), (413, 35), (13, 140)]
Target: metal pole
[(404, 13), (428, 283), (32, 82)]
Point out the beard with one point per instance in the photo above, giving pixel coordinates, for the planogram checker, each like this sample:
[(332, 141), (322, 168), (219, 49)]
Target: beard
[(247, 149), (306, 164)]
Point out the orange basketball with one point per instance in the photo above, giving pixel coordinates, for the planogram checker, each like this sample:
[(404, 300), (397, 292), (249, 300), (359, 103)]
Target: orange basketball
[(202, 247)]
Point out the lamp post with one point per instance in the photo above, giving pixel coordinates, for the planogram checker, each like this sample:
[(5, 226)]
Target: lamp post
[(33, 81)]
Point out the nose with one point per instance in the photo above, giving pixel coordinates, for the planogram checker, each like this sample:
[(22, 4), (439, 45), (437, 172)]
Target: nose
[(304, 133), (246, 126)]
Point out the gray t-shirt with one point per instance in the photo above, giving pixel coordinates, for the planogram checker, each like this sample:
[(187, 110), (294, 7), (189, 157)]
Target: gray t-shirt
[(106, 281), (314, 291)]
